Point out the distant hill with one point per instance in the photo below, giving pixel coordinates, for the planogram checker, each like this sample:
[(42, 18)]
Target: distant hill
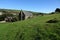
[(17, 11), (9, 10)]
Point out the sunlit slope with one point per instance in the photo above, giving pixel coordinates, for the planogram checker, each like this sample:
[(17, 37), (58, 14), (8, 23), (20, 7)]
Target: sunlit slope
[(31, 29)]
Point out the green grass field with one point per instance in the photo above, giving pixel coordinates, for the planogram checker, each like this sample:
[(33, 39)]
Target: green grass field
[(31, 29)]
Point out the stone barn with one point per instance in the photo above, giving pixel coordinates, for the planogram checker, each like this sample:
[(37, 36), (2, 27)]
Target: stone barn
[(25, 15)]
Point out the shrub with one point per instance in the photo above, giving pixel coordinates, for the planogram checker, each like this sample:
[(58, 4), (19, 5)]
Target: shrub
[(13, 19), (53, 21), (3, 16), (53, 36), (52, 13)]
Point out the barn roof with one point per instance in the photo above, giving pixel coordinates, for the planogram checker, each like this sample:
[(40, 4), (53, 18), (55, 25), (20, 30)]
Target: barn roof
[(27, 13)]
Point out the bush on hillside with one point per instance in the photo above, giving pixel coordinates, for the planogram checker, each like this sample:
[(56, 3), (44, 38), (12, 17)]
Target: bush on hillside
[(52, 21), (52, 13), (3, 16), (7, 15), (14, 19)]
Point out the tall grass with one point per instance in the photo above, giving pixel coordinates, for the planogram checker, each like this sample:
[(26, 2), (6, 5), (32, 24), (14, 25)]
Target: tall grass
[(31, 29)]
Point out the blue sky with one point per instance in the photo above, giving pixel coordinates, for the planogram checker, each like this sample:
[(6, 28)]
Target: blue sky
[(31, 5)]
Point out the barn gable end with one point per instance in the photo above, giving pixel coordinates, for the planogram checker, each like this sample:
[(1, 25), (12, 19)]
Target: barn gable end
[(24, 15)]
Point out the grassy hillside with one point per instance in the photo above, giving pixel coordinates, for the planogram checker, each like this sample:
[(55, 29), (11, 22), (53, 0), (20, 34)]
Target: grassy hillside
[(31, 29)]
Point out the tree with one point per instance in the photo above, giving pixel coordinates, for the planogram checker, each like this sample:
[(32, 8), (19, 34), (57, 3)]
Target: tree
[(21, 15), (57, 10)]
